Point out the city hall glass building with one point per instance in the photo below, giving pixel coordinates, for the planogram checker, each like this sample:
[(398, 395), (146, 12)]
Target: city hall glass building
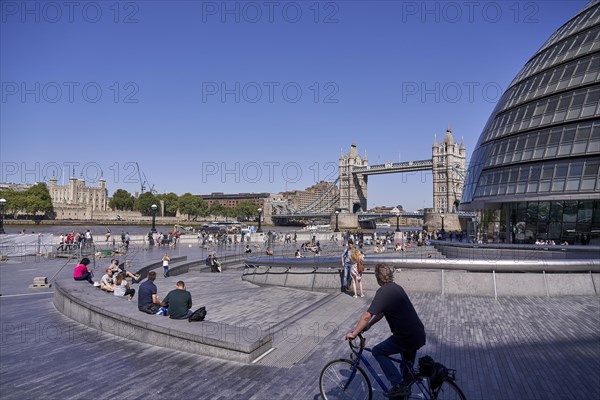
[(538, 156)]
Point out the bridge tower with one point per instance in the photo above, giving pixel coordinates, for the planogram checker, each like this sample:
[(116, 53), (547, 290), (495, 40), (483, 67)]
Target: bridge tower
[(353, 187), (448, 172)]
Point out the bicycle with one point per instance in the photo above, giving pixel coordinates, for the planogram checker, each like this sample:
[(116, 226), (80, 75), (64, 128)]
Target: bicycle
[(346, 379)]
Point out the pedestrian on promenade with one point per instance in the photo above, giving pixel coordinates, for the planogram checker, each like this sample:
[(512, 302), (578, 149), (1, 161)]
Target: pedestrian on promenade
[(107, 236), (126, 241), (165, 262), (179, 302), (357, 259), (346, 266), (408, 332), (81, 271)]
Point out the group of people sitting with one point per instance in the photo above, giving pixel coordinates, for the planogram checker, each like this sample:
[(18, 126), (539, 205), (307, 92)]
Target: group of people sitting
[(177, 304)]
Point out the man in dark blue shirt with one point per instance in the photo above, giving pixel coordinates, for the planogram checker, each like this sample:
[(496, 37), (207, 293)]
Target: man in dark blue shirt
[(147, 295), (408, 332)]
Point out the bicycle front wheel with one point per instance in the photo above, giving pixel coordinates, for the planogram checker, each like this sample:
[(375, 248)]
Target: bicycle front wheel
[(448, 391), (339, 380)]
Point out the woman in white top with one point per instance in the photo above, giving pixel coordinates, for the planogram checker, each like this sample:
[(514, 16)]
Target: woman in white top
[(122, 288)]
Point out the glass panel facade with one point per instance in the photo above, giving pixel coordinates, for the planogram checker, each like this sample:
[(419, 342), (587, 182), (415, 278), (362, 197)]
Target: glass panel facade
[(574, 222), (539, 152)]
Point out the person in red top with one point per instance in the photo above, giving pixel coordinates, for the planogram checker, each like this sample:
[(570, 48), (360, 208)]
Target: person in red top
[(81, 271)]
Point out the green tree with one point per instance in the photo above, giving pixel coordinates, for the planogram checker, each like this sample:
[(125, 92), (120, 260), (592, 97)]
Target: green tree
[(170, 200), (246, 210), (144, 203), (32, 201), (192, 206), (216, 209), (121, 200)]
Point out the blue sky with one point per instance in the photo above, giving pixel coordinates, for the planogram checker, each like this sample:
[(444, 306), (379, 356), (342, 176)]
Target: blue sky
[(253, 96)]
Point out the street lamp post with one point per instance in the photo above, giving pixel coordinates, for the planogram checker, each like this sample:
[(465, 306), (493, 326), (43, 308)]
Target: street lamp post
[(442, 221), (154, 208), (259, 217), (2, 203), (397, 222), (337, 215)]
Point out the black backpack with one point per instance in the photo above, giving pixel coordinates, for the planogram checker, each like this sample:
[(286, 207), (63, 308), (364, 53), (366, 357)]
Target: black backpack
[(198, 315), (208, 261)]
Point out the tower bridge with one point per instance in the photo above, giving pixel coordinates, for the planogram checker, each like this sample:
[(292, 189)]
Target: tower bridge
[(447, 164)]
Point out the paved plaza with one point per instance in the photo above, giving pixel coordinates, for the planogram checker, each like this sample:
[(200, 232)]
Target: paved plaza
[(510, 348)]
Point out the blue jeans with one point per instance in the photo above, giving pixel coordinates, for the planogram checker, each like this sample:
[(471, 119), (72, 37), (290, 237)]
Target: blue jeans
[(388, 347), (346, 276)]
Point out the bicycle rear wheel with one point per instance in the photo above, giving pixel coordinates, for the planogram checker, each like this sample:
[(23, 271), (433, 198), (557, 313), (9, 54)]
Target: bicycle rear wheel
[(448, 391), (334, 379)]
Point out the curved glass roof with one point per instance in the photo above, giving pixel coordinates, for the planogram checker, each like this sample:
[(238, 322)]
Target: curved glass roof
[(543, 137)]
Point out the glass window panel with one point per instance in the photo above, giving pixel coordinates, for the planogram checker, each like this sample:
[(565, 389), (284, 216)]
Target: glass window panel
[(548, 171), (510, 188), (524, 174), (568, 71), (542, 139), (501, 189), (593, 96), (587, 184), (556, 208), (591, 168), (564, 101), (535, 173), (543, 211), (538, 152), (558, 185), (585, 211), (564, 149), (570, 211), (544, 186), (568, 135), (555, 136), (532, 187), (554, 230), (588, 110), (561, 170), (551, 151), (527, 155), (593, 146), (578, 98), (552, 103), (532, 212), (576, 169), (573, 113), (572, 184), (583, 132), (559, 116), (579, 147), (581, 67), (521, 187)]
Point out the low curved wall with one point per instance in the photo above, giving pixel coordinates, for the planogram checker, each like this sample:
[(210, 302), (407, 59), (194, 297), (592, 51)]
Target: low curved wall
[(500, 279), (515, 252), (81, 302)]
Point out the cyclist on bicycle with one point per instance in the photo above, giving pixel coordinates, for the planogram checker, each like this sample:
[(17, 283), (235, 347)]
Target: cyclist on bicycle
[(408, 333)]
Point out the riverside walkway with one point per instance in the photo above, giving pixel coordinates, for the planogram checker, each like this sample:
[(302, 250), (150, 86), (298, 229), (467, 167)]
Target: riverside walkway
[(513, 347)]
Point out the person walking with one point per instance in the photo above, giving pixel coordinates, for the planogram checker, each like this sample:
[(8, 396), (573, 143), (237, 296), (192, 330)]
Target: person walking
[(346, 266), (165, 262)]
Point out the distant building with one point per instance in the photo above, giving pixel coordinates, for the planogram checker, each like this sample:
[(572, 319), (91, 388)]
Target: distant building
[(17, 187), (232, 200), (78, 201), (321, 198)]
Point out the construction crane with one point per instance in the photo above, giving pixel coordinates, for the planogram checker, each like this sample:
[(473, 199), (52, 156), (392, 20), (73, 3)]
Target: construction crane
[(144, 181)]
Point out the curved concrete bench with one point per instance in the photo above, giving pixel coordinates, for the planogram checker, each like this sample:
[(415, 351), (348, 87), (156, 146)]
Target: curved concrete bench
[(91, 306)]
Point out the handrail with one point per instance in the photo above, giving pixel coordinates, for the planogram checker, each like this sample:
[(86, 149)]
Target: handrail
[(304, 265)]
